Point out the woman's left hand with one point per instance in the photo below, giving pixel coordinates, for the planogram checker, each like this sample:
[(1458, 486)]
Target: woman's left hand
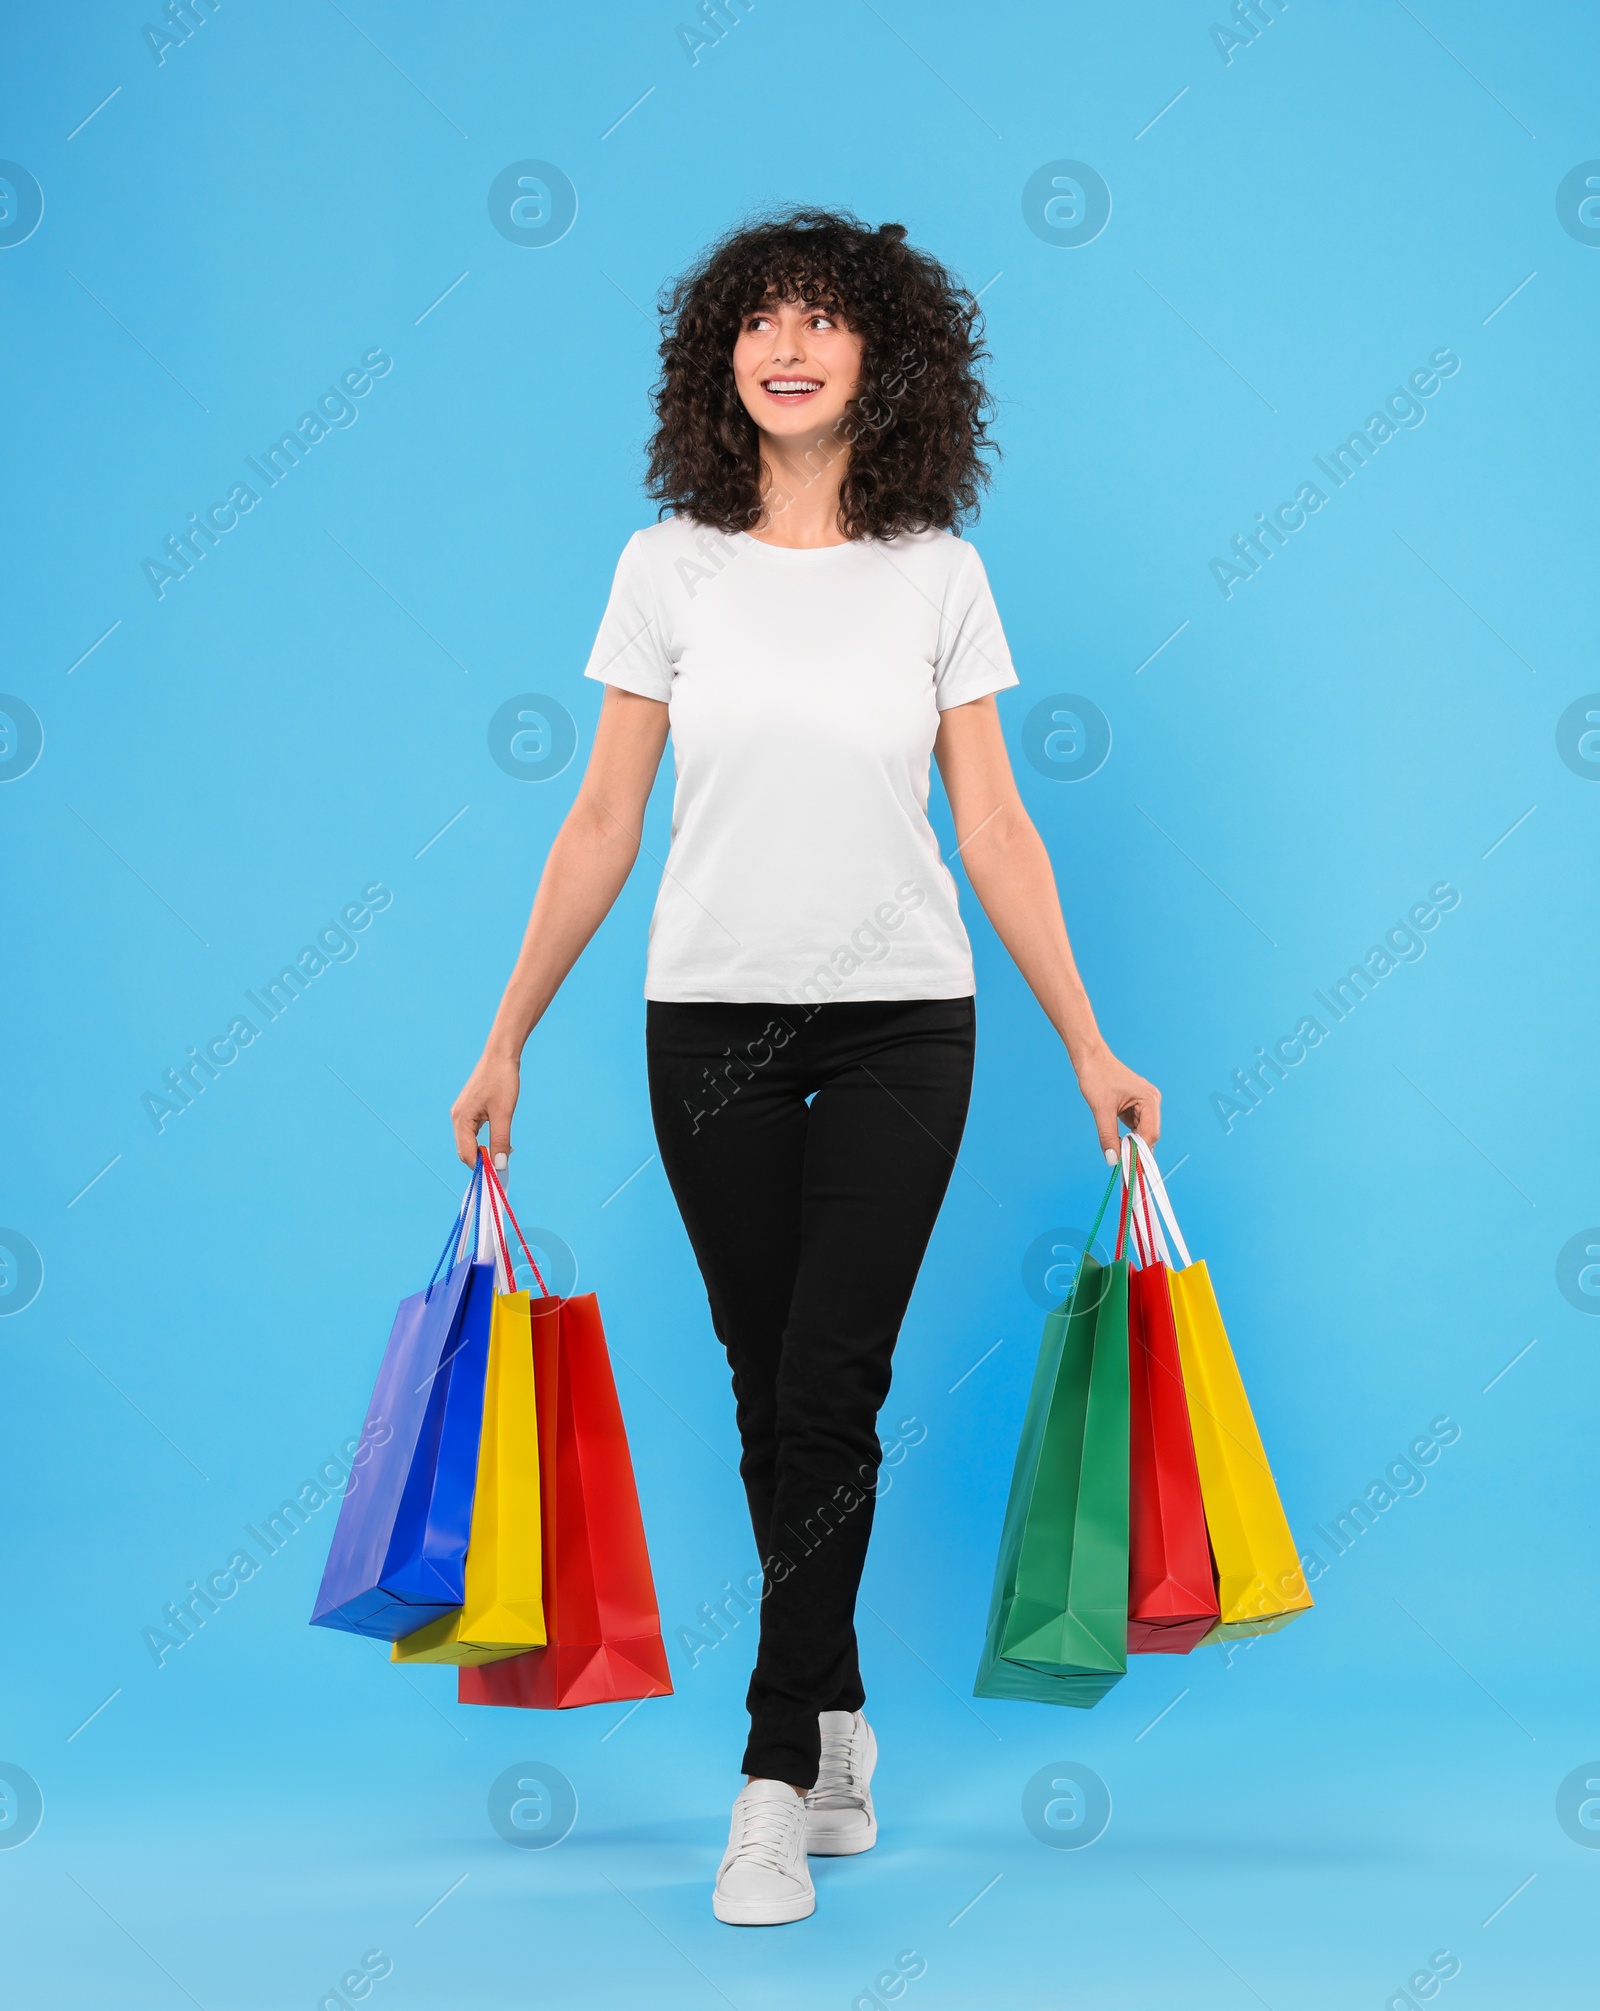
[(1112, 1090)]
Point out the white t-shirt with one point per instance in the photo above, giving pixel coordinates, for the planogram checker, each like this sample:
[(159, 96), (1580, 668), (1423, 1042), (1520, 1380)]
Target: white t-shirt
[(804, 690)]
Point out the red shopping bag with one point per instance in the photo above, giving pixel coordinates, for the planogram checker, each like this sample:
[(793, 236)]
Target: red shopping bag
[(1172, 1597), (603, 1626)]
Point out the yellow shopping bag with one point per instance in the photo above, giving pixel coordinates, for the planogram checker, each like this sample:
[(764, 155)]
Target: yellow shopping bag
[(1260, 1583), (503, 1611)]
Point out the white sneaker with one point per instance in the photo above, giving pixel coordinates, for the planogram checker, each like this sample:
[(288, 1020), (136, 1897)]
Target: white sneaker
[(763, 1879), (839, 1814)]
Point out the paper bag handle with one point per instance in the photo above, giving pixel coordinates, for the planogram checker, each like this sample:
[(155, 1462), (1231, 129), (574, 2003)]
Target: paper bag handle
[(458, 1229), (1150, 1173), (500, 1193)]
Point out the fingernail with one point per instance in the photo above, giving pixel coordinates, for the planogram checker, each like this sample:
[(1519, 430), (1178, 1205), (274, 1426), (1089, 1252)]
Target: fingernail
[(499, 1162), (1111, 1155)]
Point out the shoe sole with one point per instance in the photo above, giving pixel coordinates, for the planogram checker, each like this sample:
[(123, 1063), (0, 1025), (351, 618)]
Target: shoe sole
[(757, 1913), (844, 1846)]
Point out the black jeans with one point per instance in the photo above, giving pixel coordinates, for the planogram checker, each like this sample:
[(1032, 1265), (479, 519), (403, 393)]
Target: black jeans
[(809, 1220)]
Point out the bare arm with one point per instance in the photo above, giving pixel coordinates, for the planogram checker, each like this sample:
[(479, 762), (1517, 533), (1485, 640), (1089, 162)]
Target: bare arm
[(591, 857), (1010, 873)]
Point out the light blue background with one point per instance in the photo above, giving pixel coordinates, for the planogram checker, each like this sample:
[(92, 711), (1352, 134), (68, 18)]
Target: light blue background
[(1300, 763)]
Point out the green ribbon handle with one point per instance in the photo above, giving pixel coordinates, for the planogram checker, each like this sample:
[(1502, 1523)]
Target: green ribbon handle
[(1105, 1199)]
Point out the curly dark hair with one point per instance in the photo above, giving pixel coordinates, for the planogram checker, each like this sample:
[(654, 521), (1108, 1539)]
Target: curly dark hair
[(917, 426)]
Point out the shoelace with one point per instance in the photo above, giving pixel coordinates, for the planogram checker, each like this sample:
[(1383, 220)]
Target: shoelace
[(766, 1835), (836, 1776)]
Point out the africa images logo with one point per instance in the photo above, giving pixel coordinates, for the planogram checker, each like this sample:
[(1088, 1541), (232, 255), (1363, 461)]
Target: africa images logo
[(1403, 411), (336, 411), (1403, 944), (182, 1087)]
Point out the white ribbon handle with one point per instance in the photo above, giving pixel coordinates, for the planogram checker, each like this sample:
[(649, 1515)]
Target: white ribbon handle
[(486, 1245), (491, 1238), (1157, 1187)]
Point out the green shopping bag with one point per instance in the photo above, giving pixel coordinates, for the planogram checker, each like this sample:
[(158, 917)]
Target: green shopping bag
[(1058, 1617)]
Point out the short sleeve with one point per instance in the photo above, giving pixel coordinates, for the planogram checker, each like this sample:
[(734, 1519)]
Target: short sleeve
[(630, 649), (973, 657)]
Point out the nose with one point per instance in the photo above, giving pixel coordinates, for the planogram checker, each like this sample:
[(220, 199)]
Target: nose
[(788, 343)]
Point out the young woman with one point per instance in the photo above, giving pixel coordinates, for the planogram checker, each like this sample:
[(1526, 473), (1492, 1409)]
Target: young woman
[(810, 629)]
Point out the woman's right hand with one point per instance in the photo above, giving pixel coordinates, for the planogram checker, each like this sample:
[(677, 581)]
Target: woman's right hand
[(489, 1096)]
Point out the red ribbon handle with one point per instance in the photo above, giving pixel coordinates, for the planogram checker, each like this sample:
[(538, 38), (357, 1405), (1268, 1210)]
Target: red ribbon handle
[(500, 1194), (1122, 1224), (1135, 1214), (497, 1227)]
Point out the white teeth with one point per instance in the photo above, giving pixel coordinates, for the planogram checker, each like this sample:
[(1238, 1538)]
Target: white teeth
[(791, 384)]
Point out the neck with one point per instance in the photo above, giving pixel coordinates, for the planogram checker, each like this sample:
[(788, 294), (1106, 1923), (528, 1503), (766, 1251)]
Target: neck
[(801, 481)]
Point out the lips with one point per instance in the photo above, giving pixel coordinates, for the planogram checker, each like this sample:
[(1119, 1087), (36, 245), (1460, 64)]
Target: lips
[(791, 390)]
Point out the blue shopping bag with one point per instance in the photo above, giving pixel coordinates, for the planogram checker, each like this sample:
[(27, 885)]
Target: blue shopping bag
[(399, 1551)]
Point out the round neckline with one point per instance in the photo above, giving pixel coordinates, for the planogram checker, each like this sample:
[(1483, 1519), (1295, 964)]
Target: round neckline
[(801, 551)]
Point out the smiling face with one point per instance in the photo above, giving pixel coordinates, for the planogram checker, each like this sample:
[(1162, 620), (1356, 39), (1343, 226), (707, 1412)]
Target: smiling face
[(796, 368)]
